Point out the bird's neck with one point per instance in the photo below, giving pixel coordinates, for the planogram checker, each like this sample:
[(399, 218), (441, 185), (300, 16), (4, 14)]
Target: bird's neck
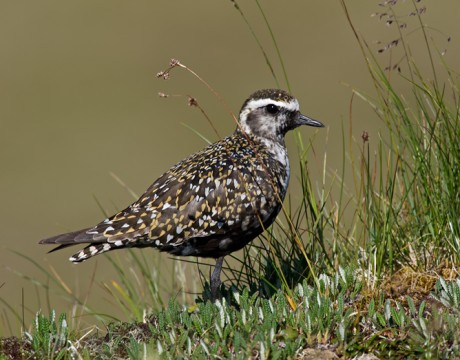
[(261, 138), (275, 146)]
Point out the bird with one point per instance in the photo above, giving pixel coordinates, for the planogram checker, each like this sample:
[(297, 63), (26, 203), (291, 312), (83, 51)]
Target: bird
[(213, 202)]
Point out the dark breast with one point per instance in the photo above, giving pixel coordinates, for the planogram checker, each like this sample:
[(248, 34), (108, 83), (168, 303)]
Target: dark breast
[(210, 204)]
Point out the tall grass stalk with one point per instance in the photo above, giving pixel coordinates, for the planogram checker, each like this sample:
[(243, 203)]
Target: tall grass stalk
[(409, 202)]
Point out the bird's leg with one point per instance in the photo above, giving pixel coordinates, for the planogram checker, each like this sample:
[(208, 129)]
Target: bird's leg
[(215, 279)]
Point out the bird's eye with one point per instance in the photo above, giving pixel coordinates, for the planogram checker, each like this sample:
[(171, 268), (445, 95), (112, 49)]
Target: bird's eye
[(272, 109)]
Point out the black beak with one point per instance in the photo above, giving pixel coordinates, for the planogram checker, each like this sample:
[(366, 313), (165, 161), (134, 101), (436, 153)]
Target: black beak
[(305, 120)]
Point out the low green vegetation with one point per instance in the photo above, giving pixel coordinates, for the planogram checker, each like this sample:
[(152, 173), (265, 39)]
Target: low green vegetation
[(336, 319)]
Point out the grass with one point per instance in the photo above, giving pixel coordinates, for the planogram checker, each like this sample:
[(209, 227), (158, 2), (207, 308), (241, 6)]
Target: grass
[(320, 282), (335, 318)]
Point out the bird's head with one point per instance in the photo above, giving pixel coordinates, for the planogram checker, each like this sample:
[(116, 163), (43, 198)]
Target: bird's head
[(271, 113)]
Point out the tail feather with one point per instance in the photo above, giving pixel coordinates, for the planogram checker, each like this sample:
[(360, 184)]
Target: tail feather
[(95, 249), (96, 245), (69, 239)]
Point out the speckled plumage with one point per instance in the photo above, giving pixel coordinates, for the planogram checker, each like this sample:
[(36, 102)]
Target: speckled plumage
[(215, 201)]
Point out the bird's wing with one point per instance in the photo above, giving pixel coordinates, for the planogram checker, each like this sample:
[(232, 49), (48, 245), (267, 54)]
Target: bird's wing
[(210, 193), (199, 197)]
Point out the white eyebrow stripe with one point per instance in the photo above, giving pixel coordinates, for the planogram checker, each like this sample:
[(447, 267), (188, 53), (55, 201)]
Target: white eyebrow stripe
[(292, 105)]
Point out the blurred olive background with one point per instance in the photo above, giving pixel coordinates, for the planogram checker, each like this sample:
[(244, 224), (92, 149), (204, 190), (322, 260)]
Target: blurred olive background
[(78, 101)]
